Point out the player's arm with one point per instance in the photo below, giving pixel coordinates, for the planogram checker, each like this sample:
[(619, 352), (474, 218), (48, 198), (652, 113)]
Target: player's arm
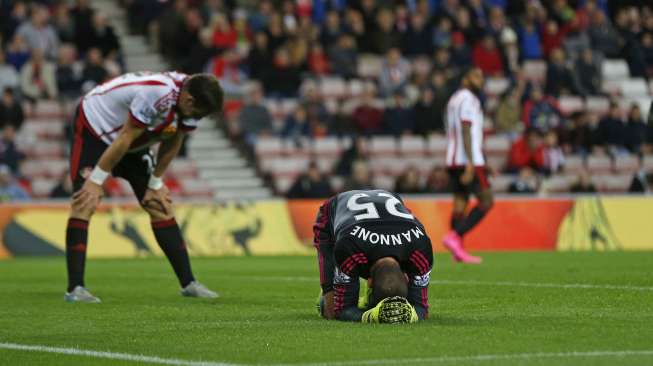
[(418, 296), (168, 150), (346, 300), (468, 176), (346, 285), (157, 196), (419, 277), (91, 192), (129, 132)]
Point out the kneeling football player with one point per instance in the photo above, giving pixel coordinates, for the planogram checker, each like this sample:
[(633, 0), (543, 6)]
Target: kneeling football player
[(372, 235)]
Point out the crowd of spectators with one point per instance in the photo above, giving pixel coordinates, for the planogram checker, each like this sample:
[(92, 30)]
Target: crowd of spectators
[(281, 43), (424, 46), (49, 50), (268, 49)]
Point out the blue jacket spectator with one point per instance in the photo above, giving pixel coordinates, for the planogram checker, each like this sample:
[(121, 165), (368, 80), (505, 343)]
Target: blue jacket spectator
[(399, 117), (636, 130), (529, 42), (17, 52), (9, 189), (343, 56), (296, 125), (9, 154), (612, 129), (417, 40)]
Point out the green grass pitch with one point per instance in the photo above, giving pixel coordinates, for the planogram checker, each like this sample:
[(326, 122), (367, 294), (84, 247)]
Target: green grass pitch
[(514, 309)]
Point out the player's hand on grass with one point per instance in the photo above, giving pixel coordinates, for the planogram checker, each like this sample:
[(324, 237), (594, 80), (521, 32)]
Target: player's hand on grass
[(468, 174), (88, 197), (158, 200)]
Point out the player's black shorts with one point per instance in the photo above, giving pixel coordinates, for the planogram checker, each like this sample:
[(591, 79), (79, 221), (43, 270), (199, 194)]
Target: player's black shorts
[(87, 148), (479, 184)]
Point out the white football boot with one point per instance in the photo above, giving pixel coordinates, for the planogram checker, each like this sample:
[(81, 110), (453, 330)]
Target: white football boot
[(196, 289), (80, 294)]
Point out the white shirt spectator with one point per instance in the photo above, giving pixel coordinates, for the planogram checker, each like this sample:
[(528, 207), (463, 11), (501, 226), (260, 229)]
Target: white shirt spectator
[(8, 74), (43, 38)]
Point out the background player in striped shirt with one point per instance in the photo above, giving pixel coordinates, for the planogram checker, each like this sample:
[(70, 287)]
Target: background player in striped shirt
[(466, 163), (115, 125)]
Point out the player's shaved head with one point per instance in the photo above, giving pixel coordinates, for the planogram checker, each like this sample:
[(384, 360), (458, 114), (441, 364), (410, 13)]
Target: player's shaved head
[(473, 79), (387, 280)]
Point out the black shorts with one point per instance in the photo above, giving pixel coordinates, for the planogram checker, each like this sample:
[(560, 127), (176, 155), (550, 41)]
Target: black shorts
[(479, 184), (87, 148)]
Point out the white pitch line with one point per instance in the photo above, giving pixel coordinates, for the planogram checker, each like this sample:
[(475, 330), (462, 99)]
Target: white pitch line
[(110, 355), (479, 358), (443, 359), (480, 283), (546, 285)]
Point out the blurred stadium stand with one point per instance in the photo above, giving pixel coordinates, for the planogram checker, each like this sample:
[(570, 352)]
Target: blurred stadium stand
[(298, 51)]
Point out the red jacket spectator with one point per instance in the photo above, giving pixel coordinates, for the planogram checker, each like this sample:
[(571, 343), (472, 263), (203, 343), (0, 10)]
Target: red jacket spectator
[(224, 35), (367, 119), (174, 186), (552, 37), (487, 57), (225, 39), (317, 61), (527, 151)]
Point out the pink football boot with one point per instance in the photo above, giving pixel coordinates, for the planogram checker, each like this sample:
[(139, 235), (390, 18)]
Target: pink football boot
[(453, 242)]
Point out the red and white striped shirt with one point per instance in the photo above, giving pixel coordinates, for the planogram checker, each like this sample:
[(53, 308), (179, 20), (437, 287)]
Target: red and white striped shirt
[(150, 98), (464, 108)]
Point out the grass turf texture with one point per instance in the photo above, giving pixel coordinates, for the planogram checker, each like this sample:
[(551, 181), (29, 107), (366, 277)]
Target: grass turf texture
[(266, 314)]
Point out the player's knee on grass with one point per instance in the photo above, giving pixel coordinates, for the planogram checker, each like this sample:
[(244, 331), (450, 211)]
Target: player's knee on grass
[(326, 306)]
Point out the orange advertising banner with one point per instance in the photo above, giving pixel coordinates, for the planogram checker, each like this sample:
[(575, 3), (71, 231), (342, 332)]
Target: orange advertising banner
[(513, 224)]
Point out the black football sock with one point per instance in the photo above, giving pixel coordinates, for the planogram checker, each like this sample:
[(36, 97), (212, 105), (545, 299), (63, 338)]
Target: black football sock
[(475, 216), (456, 219), (76, 237), (169, 237)]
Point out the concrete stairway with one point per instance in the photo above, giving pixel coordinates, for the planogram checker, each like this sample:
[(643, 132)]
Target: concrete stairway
[(139, 56), (223, 167)]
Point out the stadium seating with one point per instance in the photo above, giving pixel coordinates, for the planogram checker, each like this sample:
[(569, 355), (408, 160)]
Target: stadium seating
[(534, 70), (46, 147), (612, 69)]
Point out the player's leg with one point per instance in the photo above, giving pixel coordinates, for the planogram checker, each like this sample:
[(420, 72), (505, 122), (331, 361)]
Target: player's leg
[(460, 202), (136, 168), (481, 189), (453, 240), (86, 150), (478, 212), (483, 193), (323, 243)]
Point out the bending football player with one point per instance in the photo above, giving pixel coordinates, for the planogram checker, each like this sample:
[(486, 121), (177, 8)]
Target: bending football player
[(115, 125), (372, 235)]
